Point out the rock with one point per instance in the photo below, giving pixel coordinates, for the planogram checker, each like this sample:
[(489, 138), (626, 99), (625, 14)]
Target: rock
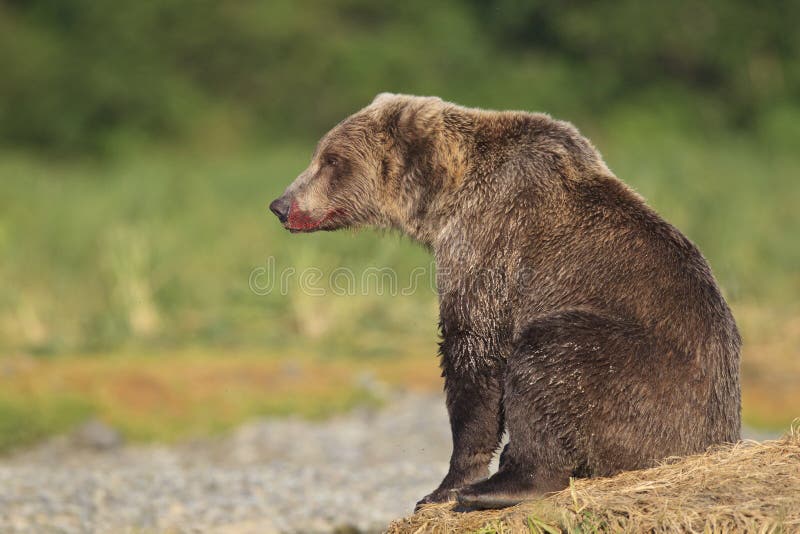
[(95, 434)]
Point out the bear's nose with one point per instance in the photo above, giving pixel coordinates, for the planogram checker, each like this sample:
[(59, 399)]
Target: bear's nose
[(280, 207)]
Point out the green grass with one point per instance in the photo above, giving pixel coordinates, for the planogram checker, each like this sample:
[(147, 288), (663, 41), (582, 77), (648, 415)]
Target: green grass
[(24, 421)]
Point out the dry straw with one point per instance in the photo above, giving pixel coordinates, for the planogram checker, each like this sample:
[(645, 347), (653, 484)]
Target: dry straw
[(747, 487)]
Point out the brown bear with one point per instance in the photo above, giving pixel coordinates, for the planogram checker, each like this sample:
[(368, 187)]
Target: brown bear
[(571, 314)]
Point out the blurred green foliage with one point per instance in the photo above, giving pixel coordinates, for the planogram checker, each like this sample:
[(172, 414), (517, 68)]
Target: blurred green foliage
[(82, 75)]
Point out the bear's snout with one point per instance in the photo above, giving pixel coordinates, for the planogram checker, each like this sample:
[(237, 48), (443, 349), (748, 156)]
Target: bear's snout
[(280, 207)]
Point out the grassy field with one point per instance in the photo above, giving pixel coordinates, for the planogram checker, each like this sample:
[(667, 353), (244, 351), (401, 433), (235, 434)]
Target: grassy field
[(189, 393), (128, 283)]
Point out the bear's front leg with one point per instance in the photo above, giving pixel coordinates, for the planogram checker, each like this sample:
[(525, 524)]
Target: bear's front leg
[(474, 390)]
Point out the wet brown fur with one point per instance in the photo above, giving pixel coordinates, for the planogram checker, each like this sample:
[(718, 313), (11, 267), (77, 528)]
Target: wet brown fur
[(571, 314)]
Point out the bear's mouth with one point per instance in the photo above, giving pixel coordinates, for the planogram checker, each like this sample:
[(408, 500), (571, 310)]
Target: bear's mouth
[(300, 221)]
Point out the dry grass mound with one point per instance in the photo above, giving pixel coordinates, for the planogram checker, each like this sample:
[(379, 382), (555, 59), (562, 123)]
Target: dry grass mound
[(747, 487)]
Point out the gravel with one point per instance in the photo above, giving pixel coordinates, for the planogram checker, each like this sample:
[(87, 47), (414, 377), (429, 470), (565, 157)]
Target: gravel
[(354, 473)]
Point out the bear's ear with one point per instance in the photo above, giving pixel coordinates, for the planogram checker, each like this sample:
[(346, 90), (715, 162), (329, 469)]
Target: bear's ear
[(383, 97), (420, 116)]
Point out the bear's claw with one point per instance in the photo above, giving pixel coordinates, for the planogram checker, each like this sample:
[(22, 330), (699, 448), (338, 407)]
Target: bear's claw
[(436, 497)]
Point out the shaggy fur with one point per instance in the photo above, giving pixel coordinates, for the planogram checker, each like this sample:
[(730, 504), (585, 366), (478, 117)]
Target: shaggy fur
[(571, 314)]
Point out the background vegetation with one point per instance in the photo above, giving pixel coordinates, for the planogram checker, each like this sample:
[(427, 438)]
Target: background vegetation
[(140, 145)]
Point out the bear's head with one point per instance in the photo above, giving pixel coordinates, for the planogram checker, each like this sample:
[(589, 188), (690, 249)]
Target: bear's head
[(372, 169)]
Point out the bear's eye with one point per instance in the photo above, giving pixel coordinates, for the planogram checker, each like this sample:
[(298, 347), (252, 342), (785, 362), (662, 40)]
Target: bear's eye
[(331, 161)]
